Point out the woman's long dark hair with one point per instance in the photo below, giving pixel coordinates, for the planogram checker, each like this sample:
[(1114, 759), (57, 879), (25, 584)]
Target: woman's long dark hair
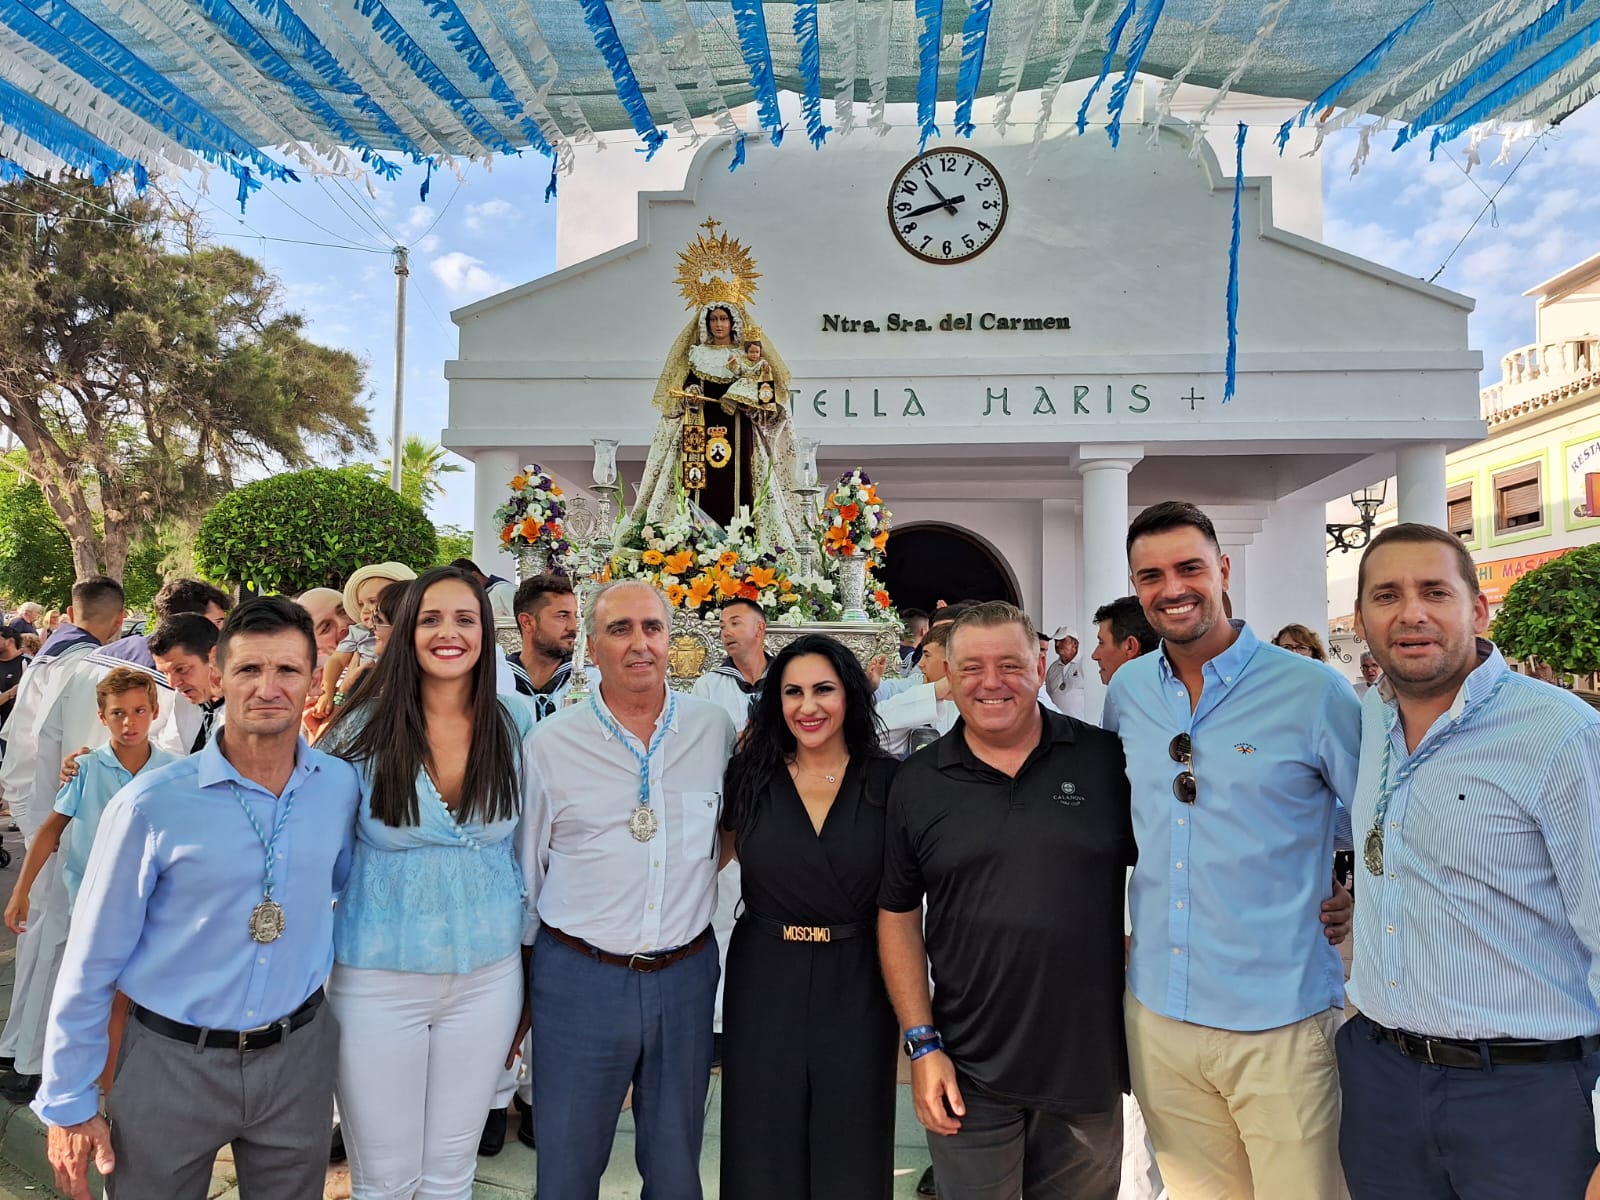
[(393, 738), (768, 743)]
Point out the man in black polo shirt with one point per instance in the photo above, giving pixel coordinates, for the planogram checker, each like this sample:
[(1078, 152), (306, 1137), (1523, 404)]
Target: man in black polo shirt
[(1015, 827)]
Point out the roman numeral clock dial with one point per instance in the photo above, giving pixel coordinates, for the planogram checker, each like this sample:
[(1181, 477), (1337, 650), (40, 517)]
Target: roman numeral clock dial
[(947, 205)]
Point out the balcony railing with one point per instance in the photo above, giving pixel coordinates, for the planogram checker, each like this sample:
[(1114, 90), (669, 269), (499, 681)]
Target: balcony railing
[(1540, 374)]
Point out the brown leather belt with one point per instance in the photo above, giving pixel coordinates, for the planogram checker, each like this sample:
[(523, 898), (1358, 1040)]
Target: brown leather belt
[(655, 960)]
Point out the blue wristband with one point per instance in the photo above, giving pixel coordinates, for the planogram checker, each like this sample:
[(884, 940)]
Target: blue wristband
[(927, 1047), (919, 1031)]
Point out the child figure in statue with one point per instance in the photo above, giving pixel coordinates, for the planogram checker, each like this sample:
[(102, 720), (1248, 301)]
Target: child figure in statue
[(752, 384)]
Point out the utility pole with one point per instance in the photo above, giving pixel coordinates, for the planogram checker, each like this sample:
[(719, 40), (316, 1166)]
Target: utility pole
[(402, 271)]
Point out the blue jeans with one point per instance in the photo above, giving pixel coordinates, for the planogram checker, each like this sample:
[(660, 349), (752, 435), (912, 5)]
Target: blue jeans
[(1415, 1131), (597, 1029)]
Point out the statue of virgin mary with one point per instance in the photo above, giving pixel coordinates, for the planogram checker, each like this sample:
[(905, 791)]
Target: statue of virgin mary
[(724, 439)]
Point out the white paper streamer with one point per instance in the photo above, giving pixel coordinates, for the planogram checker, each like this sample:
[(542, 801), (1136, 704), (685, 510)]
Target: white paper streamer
[(1018, 46), (692, 58), (1269, 24), (841, 19), (877, 19), (531, 38), (1047, 98), (528, 94), (1169, 90), (651, 68)]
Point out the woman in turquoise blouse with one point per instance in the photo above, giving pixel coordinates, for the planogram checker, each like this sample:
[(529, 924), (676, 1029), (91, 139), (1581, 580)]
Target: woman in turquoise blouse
[(427, 980)]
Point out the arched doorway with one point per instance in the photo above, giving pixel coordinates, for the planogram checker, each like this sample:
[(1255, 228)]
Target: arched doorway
[(928, 562)]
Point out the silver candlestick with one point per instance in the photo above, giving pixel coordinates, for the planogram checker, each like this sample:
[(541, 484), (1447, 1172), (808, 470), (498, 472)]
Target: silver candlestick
[(590, 535)]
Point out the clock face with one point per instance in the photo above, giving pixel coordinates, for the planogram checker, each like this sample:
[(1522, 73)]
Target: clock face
[(947, 205)]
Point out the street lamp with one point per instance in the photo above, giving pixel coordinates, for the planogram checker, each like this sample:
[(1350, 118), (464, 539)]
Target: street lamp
[(1354, 536)]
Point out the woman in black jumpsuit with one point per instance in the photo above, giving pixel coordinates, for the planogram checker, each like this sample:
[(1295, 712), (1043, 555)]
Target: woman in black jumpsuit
[(808, 1066)]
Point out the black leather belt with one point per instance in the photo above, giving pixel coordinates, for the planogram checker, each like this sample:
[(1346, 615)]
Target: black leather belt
[(655, 960), (240, 1040), (1489, 1052), (813, 934)]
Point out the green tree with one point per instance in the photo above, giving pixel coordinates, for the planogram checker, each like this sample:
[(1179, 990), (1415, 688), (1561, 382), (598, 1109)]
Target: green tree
[(454, 543), (143, 370), (421, 464), (308, 529), (35, 556), (1548, 615)]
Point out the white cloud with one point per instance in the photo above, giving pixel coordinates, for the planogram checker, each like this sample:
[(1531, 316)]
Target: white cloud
[(489, 214), (418, 217), (465, 277), (428, 244)]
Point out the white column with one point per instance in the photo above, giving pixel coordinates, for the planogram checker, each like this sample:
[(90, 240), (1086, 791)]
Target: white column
[(491, 483), (1104, 471), (1419, 483)]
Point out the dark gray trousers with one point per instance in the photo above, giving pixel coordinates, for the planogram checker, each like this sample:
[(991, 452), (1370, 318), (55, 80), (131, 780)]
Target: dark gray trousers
[(173, 1107), (1004, 1152)]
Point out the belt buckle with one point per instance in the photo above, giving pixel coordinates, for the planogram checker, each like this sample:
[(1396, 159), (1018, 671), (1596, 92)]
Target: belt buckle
[(1428, 1044), (647, 958), (807, 933), (244, 1035)]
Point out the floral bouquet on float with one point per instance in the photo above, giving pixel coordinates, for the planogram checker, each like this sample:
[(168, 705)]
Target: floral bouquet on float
[(530, 523)]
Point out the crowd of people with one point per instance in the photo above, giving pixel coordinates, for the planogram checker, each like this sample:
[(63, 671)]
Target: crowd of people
[(340, 847)]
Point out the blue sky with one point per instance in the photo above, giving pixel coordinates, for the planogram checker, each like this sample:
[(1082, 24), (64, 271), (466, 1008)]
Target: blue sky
[(492, 230)]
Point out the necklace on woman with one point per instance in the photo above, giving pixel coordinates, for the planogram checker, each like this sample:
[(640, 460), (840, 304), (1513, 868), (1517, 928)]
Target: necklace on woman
[(830, 776)]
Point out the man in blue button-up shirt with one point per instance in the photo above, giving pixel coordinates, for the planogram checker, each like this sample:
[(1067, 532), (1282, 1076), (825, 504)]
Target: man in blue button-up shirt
[(1238, 753), (229, 1043)]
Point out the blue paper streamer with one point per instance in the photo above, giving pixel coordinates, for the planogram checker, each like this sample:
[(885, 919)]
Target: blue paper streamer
[(550, 188), (1531, 34), (462, 37), (298, 34), (1113, 40), (930, 14), (67, 140), (1143, 31), (1233, 267), (10, 172), (750, 19), (1365, 67), (1518, 85), (974, 41), (243, 35), (427, 71), (598, 18), (427, 183), (809, 39), (738, 154), (108, 65)]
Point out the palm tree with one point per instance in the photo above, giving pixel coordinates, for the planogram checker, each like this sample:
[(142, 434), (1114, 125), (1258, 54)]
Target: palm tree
[(421, 464)]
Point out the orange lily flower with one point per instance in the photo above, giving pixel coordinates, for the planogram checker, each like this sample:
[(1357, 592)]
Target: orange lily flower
[(679, 563), (871, 494), (878, 540), (728, 585), (837, 537), (530, 529), (518, 482), (699, 590), (654, 558), (762, 577), (555, 490)]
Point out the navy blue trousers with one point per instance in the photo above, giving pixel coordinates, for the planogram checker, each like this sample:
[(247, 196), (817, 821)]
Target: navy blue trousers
[(1413, 1131), (597, 1029)]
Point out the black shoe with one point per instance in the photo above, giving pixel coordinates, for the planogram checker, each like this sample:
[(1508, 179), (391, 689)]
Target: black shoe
[(19, 1089), (925, 1185), (7, 1064), (336, 1152), (493, 1138), (716, 1050), (525, 1124)]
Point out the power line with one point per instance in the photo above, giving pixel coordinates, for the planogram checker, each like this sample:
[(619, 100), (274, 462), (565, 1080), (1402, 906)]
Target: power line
[(442, 211), (1486, 208), (339, 203)]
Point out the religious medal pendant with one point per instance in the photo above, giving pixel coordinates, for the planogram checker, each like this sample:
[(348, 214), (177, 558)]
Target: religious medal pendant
[(1372, 851), (643, 824), (266, 921)]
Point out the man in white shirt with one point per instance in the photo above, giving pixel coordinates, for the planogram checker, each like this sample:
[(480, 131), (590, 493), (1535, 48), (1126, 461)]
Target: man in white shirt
[(620, 854), (1063, 679), (922, 714), (502, 592)]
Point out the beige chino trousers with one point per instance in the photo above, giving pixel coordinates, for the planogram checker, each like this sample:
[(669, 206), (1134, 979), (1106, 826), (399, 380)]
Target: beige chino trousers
[(1239, 1116)]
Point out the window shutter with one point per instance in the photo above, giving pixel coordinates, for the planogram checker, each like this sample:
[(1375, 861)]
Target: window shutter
[(1519, 497)]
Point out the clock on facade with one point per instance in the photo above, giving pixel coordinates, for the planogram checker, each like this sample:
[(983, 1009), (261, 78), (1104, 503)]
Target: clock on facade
[(947, 205)]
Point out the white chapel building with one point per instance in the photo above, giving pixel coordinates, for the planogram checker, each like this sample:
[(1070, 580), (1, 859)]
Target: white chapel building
[(1017, 407)]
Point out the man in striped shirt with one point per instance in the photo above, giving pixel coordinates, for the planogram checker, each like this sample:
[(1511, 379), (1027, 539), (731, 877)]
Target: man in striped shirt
[(1470, 1068)]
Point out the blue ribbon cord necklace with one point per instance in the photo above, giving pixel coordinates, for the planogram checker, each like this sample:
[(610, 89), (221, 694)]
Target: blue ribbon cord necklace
[(1372, 848), (266, 918), (642, 822)]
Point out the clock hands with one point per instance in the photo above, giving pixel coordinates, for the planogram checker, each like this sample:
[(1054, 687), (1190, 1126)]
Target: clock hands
[(943, 203), (949, 204)]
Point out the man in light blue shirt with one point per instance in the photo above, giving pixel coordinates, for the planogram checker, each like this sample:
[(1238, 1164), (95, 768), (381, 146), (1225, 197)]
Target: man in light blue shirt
[(1469, 1071), (1238, 753), (208, 900)]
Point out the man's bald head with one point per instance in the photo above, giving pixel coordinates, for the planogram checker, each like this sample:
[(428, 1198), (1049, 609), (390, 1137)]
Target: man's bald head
[(328, 618)]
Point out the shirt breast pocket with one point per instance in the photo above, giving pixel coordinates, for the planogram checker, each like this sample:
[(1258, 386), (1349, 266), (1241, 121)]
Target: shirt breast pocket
[(700, 814)]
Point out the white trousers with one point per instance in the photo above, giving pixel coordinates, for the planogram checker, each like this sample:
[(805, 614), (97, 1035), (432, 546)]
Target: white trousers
[(723, 917), (517, 1080), (419, 1059), (38, 962)]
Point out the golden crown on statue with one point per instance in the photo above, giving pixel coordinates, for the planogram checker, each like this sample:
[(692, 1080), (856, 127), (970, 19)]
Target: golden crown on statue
[(716, 270)]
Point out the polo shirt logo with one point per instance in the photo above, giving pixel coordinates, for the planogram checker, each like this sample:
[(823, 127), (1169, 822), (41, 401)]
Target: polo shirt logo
[(1244, 748), (1067, 794)]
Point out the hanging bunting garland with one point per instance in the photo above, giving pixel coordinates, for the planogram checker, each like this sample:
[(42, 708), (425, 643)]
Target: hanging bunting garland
[(930, 30), (1270, 16), (693, 54), (1518, 85), (1530, 35), (749, 17), (1143, 31), (1018, 49), (1369, 62), (879, 25), (1233, 267), (842, 24), (1047, 98), (606, 41), (71, 143), (974, 40), (1169, 90), (454, 25), (653, 70), (10, 172), (808, 37), (1113, 40)]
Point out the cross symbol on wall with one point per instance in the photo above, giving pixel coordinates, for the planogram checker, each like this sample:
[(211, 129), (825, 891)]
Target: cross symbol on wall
[(1191, 397)]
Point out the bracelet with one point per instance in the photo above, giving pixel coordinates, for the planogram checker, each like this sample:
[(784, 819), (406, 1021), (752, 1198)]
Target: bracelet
[(338, 699), (917, 1032), (927, 1047)]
